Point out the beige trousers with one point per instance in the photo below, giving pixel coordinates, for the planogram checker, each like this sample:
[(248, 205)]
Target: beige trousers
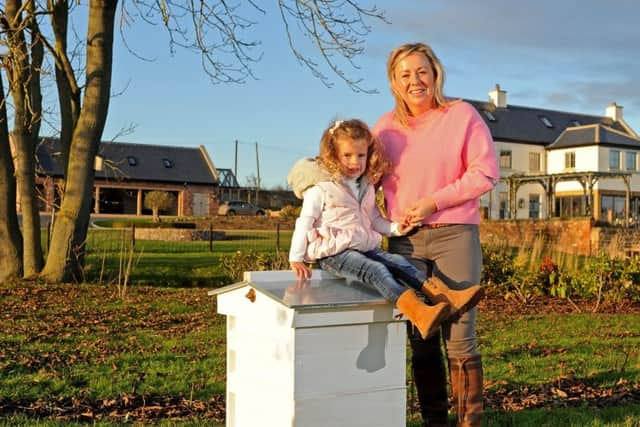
[(454, 255)]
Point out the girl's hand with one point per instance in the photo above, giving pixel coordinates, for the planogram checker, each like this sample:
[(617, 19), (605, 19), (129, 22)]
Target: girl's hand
[(405, 226), (301, 270), (420, 210)]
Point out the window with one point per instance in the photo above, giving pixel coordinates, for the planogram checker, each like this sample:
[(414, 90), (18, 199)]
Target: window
[(505, 159), (534, 162), (534, 206), (630, 160), (614, 160), (167, 163), (570, 160), (132, 161), (503, 203), (612, 208), (635, 209), (98, 163), (489, 115), (546, 121), (570, 206)]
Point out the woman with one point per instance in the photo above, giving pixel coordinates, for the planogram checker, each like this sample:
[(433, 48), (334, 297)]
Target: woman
[(443, 160)]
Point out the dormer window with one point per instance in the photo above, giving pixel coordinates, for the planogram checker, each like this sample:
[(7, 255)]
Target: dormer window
[(489, 115), (167, 163), (132, 161), (545, 121)]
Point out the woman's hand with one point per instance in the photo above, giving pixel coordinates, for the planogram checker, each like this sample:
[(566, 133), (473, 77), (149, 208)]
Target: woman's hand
[(300, 269), (405, 226), (420, 210)]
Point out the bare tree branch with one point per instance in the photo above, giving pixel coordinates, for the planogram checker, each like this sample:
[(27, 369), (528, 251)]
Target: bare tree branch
[(336, 28), (218, 30)]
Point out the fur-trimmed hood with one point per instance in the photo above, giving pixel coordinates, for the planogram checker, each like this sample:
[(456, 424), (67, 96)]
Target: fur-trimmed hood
[(306, 173)]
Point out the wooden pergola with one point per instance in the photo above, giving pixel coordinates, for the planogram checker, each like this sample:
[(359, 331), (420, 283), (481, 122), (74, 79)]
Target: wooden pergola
[(549, 181)]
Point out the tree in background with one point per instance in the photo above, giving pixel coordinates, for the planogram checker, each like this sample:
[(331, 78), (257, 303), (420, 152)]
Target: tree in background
[(22, 64), (214, 29), (10, 237), (157, 201)]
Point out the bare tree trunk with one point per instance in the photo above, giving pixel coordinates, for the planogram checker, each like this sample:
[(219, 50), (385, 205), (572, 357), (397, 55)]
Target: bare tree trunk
[(68, 89), (66, 255), (10, 237), (26, 179), (26, 122)]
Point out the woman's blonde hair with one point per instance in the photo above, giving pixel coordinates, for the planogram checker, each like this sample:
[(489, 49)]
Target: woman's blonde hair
[(377, 163), (401, 109)]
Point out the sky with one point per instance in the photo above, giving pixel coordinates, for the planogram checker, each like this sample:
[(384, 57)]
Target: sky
[(577, 56)]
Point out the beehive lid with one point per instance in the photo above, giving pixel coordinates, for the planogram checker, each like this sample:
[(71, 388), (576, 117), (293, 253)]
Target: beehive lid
[(322, 291)]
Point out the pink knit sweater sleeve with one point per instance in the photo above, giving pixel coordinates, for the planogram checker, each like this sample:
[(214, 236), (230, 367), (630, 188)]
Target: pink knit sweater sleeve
[(481, 168), (447, 155)]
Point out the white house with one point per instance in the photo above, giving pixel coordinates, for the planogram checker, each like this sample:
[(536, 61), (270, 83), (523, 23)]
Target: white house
[(557, 163)]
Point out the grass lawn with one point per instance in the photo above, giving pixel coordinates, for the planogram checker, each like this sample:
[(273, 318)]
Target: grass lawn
[(155, 351), (81, 353), (183, 264)]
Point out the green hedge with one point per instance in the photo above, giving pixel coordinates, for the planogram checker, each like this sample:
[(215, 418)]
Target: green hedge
[(145, 224)]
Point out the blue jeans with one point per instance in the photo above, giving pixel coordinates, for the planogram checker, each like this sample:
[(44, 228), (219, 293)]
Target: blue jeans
[(389, 273)]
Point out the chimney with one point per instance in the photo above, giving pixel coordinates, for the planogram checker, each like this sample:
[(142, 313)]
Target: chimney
[(498, 97), (614, 111)]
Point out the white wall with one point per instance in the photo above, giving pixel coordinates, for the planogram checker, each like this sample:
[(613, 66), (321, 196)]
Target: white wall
[(520, 157), (617, 184), (520, 165), (587, 159)]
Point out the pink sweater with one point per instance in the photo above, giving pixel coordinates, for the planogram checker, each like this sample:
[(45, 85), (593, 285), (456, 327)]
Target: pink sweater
[(448, 154)]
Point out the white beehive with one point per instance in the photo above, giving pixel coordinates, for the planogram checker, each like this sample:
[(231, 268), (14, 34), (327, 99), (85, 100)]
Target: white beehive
[(326, 353)]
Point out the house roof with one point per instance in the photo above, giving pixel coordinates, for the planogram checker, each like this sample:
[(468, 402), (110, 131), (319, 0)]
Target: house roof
[(594, 135), (515, 123), (138, 162)]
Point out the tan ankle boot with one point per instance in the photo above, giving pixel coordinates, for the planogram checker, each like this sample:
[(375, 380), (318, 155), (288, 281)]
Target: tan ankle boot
[(460, 301), (466, 388), (427, 318)]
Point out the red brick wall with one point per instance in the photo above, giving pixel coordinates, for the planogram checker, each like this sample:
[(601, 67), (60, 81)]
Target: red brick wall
[(574, 236), (566, 235)]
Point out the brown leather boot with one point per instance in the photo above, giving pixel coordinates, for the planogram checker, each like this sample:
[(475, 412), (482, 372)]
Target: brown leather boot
[(427, 318), (430, 378), (466, 388), (460, 301)]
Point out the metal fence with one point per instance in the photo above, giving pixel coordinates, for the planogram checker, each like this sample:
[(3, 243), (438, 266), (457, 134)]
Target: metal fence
[(112, 241)]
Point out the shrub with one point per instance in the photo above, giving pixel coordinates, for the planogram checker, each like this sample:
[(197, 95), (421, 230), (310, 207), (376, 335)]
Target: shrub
[(290, 211), (498, 268), (157, 201), (235, 265), (605, 281)]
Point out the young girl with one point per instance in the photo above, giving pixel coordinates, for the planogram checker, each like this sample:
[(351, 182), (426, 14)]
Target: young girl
[(340, 227)]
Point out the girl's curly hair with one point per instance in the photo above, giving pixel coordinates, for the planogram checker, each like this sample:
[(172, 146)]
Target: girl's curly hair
[(377, 163)]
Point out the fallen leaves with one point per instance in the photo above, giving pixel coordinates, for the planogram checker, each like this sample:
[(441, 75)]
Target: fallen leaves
[(128, 407), (94, 327), (564, 392)]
